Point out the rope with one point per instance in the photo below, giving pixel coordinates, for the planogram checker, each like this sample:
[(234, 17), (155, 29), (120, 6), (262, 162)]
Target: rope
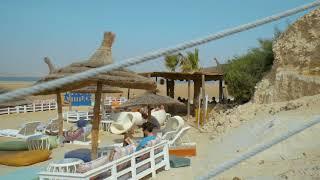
[(149, 56), (229, 164)]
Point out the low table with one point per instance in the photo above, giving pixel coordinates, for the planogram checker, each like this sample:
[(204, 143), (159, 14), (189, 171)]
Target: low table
[(38, 142), (66, 165)]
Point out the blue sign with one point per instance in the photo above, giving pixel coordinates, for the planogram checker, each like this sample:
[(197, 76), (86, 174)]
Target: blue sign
[(78, 99)]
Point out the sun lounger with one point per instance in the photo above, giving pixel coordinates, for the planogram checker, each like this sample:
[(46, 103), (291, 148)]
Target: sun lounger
[(173, 126), (179, 139), (27, 129), (132, 166)]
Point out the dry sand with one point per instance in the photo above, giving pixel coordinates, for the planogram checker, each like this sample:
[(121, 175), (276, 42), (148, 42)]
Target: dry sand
[(295, 158)]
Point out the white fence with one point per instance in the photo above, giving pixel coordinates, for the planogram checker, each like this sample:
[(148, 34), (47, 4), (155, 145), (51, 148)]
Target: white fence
[(157, 158), (34, 107), (109, 100)]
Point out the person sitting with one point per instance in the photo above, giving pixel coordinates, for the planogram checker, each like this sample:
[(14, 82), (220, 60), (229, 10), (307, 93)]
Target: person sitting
[(147, 129), (119, 152), (72, 135), (152, 120)]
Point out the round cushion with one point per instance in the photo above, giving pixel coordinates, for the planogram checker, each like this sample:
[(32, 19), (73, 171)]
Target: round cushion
[(24, 158), (13, 146), (83, 154)]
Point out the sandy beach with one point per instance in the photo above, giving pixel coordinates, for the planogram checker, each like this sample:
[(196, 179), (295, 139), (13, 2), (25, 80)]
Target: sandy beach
[(295, 158)]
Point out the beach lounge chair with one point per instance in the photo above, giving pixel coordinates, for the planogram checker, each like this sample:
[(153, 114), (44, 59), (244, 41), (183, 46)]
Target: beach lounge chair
[(180, 138), (51, 127), (27, 129), (135, 166), (172, 127)]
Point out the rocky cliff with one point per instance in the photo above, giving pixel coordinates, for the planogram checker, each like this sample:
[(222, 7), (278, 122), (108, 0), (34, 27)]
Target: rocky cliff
[(296, 69)]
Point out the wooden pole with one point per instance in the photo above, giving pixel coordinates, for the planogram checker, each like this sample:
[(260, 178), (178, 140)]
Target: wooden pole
[(220, 91), (203, 98), (167, 86), (196, 92), (149, 113), (188, 100), (103, 109), (70, 102), (96, 122), (128, 93), (60, 118)]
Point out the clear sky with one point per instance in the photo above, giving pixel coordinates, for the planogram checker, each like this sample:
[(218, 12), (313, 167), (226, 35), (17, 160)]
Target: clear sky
[(70, 30)]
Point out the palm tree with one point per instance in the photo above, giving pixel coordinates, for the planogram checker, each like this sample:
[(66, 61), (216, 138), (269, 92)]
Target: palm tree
[(172, 61), (190, 62)]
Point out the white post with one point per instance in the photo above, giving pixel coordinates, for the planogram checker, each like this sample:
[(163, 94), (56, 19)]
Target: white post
[(114, 171), (153, 163), (17, 109), (166, 157), (42, 106), (34, 107), (25, 108), (49, 106), (133, 167), (8, 110)]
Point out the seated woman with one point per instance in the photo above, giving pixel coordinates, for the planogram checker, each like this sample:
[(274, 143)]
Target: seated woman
[(119, 152), (72, 135), (147, 129)]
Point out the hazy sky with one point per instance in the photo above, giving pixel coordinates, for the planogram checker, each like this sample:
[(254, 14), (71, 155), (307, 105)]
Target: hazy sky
[(70, 30)]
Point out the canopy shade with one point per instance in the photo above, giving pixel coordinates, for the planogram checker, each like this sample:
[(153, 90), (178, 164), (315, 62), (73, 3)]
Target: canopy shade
[(93, 89), (14, 102), (150, 99), (120, 78)]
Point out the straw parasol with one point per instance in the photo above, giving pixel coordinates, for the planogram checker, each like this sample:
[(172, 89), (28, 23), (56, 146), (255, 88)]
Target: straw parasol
[(93, 89), (13, 102), (150, 99), (120, 78)]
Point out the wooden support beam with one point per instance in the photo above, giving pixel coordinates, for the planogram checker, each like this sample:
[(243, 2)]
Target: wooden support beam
[(70, 102), (196, 92), (60, 118), (128, 93), (188, 114), (203, 86), (220, 91), (167, 86), (96, 122)]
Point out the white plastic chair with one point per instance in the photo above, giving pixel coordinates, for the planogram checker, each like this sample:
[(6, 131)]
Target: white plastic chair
[(27, 129), (172, 127), (180, 138)]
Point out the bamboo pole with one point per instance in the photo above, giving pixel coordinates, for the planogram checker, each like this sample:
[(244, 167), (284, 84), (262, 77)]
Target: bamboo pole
[(59, 108), (70, 102), (149, 113), (103, 109), (96, 122), (128, 93), (188, 100), (220, 91), (203, 98)]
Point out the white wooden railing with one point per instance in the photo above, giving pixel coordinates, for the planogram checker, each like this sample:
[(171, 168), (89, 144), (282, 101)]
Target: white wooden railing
[(109, 100), (45, 105), (158, 158)]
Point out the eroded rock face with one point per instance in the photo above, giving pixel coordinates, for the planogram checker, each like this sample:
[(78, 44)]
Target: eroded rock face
[(296, 70)]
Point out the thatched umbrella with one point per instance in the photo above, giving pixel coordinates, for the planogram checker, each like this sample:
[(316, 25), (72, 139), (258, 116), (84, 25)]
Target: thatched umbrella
[(150, 100), (14, 102), (119, 78), (93, 89)]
